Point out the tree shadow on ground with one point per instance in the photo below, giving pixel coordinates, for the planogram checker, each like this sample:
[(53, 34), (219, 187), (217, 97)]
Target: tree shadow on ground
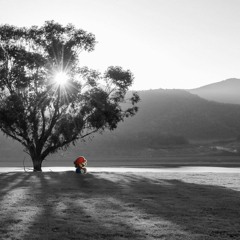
[(114, 206)]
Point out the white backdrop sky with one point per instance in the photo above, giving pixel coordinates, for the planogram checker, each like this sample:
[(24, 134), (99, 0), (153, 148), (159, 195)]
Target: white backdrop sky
[(165, 43)]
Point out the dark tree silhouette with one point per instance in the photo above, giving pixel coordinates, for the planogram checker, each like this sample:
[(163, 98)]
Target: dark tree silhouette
[(48, 101)]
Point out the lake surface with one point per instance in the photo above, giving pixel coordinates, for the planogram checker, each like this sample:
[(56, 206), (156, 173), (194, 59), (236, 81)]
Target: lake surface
[(127, 169)]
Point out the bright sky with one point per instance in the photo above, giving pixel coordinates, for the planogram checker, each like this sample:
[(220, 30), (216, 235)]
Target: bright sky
[(165, 43)]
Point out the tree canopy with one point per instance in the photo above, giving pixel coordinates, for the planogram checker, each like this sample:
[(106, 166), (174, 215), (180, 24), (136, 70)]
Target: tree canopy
[(47, 100)]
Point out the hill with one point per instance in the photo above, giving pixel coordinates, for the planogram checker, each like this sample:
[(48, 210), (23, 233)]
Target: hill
[(226, 91), (166, 118)]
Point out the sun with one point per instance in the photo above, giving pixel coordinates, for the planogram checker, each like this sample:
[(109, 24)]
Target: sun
[(61, 78)]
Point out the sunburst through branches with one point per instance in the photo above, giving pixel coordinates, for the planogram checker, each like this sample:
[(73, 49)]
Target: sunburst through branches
[(61, 78)]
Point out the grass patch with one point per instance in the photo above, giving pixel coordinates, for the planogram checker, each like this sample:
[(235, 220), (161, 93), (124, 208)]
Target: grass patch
[(66, 205)]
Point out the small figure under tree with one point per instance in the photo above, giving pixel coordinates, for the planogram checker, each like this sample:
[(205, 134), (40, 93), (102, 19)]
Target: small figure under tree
[(48, 101)]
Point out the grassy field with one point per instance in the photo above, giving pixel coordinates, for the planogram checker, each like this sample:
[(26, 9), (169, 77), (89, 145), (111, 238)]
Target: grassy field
[(65, 205)]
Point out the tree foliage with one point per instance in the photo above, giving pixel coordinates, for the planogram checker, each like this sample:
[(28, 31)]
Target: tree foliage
[(43, 114)]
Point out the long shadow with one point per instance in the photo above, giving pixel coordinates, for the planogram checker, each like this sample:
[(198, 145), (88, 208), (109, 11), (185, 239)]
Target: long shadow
[(12, 180), (9, 183), (212, 212), (67, 211), (72, 206)]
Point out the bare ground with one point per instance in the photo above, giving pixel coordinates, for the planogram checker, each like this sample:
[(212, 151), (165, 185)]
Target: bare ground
[(65, 205)]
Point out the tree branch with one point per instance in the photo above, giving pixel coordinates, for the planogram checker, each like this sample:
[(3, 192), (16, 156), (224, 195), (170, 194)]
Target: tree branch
[(14, 137), (47, 133), (61, 145)]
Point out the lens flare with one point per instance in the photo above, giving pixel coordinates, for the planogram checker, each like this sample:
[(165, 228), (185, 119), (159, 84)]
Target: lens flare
[(61, 78)]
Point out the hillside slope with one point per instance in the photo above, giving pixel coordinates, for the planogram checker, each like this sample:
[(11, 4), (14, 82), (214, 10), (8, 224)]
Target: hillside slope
[(227, 91), (165, 118), (177, 112), (171, 117)]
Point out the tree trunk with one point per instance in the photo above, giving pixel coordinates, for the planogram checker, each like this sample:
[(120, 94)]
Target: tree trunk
[(37, 165)]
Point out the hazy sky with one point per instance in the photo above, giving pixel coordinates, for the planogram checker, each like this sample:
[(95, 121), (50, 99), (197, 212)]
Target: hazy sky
[(165, 43)]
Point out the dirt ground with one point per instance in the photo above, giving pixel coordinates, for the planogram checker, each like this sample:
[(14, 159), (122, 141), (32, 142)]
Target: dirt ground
[(101, 205)]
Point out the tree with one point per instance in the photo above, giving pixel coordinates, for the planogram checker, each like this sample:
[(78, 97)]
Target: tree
[(47, 100)]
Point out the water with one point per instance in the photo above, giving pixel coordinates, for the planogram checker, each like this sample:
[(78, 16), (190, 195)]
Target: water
[(127, 169)]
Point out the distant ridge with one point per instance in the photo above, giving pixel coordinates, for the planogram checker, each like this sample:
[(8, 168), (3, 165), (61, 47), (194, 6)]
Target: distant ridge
[(169, 118), (227, 91), (165, 118)]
